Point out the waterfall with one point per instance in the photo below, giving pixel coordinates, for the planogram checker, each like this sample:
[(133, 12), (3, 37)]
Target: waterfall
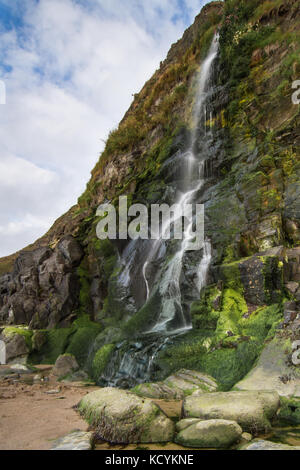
[(170, 282), (158, 275)]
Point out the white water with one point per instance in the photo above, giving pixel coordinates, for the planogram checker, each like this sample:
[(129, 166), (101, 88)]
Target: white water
[(170, 282)]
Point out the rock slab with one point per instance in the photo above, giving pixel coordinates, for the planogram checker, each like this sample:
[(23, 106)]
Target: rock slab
[(210, 434), (177, 386), (253, 411)]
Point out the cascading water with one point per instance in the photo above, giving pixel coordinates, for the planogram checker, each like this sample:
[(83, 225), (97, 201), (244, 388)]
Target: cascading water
[(133, 362)]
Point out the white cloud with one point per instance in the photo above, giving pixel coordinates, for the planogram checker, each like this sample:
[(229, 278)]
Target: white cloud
[(74, 66)]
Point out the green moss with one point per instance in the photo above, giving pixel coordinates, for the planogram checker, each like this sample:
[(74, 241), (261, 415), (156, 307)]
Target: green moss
[(85, 285), (81, 341), (262, 323), (56, 344), (101, 360), (210, 349), (27, 334), (290, 410), (233, 308), (228, 366)]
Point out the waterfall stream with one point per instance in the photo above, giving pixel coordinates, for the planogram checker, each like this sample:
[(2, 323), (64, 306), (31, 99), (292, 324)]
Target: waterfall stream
[(157, 278)]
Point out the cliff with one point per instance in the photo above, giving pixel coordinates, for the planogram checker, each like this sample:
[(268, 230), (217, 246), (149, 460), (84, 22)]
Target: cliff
[(65, 286)]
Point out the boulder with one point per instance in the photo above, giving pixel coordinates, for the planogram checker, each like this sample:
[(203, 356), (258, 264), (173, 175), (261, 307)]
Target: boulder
[(17, 349), (121, 417), (185, 423), (214, 433), (177, 386), (65, 365), (259, 444), (251, 410), (77, 440), (274, 370)]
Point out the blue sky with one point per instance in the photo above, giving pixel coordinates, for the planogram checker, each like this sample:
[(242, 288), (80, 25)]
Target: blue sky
[(70, 68)]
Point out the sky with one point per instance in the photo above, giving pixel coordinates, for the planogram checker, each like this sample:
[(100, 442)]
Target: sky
[(69, 69)]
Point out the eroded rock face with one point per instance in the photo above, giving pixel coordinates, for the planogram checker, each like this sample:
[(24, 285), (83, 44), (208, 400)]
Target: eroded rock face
[(210, 434), (178, 385), (42, 290), (253, 411), (122, 417)]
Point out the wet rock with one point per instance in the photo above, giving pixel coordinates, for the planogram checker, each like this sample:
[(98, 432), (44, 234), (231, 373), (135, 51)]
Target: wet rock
[(214, 433), (251, 410), (259, 444), (178, 385), (121, 417), (77, 440), (65, 365), (261, 278)]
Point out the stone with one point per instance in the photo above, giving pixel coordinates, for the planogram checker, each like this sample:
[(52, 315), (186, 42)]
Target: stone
[(261, 278), (77, 440), (16, 347), (214, 433), (121, 417), (177, 386), (65, 365), (273, 365), (21, 368), (259, 444), (185, 423), (292, 287), (253, 411), (39, 338), (247, 437)]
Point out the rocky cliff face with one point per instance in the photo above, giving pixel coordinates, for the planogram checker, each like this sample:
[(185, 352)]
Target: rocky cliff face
[(251, 197)]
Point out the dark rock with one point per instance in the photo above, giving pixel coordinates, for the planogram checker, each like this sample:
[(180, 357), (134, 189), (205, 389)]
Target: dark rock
[(43, 289), (261, 278)]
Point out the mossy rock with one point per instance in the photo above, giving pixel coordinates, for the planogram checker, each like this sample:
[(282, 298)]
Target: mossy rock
[(121, 417), (177, 386), (253, 411), (10, 331), (274, 371), (210, 434), (290, 410), (101, 360)]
